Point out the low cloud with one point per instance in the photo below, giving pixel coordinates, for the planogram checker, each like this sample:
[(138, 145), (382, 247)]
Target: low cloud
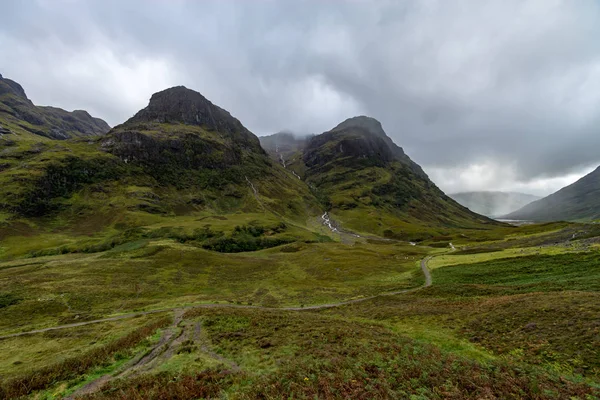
[(498, 94)]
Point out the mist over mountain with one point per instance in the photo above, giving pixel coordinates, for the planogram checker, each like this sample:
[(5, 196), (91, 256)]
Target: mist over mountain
[(493, 204), (284, 145)]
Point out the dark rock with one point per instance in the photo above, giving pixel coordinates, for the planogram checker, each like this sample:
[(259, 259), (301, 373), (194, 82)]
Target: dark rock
[(373, 127), (9, 86), (353, 142), (185, 106), (5, 131), (530, 326)]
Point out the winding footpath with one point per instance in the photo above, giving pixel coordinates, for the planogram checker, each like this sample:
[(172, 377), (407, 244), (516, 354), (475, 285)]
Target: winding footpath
[(178, 310)]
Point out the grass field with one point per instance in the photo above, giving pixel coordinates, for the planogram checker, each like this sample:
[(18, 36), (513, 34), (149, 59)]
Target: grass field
[(542, 309), (61, 289), (513, 317)]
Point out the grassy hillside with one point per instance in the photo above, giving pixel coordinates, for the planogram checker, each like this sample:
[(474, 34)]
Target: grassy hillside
[(372, 186), (579, 201), (140, 173), (172, 258)]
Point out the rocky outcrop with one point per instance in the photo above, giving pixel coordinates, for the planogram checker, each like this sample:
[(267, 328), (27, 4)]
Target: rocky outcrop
[(51, 122), (181, 137), (174, 151), (5, 131), (351, 143), (373, 127), (184, 106), (12, 87)]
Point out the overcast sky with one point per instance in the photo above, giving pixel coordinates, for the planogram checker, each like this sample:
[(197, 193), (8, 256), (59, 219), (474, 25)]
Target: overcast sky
[(485, 95)]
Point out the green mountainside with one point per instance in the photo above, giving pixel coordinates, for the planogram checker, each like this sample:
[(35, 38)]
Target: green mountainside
[(493, 204), (21, 119), (578, 201), (180, 156), (370, 185)]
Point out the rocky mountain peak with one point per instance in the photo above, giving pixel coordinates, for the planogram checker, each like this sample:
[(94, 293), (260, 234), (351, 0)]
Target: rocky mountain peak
[(369, 124), (11, 87), (182, 105), (370, 127)]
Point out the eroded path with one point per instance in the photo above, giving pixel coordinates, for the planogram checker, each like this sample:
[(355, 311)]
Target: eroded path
[(180, 333)]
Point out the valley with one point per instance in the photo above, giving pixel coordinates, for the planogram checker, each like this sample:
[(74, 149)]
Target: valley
[(180, 256)]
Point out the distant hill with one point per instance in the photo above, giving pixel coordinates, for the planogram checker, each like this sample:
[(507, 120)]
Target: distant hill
[(493, 204), (21, 119), (578, 201)]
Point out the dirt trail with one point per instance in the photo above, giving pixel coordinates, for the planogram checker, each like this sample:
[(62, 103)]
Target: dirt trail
[(170, 342), (138, 364), (167, 341), (428, 282)]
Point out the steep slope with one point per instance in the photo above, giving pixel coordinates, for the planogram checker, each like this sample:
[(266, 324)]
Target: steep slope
[(287, 149), (578, 201), (184, 140), (373, 186), (21, 119), (179, 156), (493, 204)]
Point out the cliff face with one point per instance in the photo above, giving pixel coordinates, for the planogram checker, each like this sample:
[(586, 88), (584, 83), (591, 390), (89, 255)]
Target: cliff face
[(181, 132)]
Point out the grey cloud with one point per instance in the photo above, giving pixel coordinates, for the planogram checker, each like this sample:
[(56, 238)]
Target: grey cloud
[(510, 84)]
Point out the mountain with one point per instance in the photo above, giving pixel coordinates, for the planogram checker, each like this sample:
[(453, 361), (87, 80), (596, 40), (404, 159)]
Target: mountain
[(368, 183), (493, 204), (183, 156), (374, 128), (20, 118), (578, 201), (179, 155)]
